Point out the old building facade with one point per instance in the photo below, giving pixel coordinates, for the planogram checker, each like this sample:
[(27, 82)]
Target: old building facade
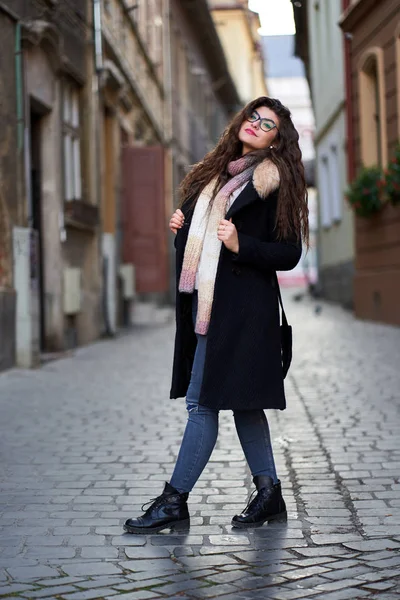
[(48, 210), (372, 31), (107, 105)]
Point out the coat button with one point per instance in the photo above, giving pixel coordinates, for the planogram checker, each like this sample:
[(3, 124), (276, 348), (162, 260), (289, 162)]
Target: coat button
[(236, 270)]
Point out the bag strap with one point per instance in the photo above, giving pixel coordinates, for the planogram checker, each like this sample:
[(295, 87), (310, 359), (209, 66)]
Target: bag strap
[(284, 319)]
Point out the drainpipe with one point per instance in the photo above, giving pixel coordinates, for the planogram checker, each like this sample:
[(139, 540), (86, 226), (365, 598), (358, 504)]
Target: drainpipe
[(98, 63)]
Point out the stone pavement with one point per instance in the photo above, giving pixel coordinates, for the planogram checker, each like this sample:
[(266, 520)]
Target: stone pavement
[(86, 440)]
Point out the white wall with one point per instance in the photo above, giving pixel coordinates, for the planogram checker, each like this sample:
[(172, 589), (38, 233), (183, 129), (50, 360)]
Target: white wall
[(336, 239), (335, 216), (326, 58)]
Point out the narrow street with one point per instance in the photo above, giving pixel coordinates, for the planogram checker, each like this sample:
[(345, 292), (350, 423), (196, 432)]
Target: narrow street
[(86, 440)]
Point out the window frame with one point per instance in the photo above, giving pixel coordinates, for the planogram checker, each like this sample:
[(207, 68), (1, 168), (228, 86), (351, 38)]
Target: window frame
[(323, 190), (335, 182), (376, 56), (330, 184), (71, 141)]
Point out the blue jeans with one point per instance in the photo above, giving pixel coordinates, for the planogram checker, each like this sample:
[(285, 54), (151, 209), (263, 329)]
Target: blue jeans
[(202, 430)]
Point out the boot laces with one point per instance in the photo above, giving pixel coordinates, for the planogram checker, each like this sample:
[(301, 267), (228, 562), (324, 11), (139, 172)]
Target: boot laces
[(255, 501), (250, 500), (153, 502)]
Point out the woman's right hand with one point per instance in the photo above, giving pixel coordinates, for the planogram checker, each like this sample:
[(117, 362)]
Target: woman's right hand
[(177, 221)]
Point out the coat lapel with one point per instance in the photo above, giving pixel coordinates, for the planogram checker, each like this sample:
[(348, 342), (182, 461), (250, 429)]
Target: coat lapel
[(246, 197)]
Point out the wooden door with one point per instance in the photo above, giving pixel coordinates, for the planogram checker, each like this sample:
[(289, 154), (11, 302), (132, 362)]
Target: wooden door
[(143, 217)]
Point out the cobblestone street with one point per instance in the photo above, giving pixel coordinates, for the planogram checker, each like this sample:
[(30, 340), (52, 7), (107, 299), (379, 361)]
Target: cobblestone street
[(86, 440)]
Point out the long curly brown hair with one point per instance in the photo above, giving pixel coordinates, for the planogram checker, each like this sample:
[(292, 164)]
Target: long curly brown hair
[(292, 210)]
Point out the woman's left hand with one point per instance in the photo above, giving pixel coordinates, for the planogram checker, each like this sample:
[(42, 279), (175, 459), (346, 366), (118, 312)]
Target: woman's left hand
[(227, 234)]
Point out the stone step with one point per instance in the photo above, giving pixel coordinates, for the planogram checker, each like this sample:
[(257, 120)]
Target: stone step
[(149, 313)]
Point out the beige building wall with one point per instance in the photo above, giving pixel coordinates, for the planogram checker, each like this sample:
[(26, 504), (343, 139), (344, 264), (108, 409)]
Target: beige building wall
[(336, 222), (237, 27), (336, 239)]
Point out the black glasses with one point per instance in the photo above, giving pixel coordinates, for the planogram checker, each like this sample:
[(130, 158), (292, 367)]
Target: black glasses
[(265, 124)]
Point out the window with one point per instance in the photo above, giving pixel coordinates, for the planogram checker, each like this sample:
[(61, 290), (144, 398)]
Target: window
[(324, 195), (372, 108), (329, 185), (71, 143), (335, 183)]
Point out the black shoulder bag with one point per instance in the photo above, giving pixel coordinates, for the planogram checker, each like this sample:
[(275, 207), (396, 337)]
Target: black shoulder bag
[(286, 335)]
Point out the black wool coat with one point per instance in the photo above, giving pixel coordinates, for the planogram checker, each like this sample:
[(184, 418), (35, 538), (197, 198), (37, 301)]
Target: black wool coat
[(243, 369)]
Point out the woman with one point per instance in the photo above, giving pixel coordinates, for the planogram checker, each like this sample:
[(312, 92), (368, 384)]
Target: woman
[(243, 214)]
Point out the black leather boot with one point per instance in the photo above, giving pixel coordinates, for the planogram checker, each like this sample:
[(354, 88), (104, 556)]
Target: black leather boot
[(168, 510), (268, 505)]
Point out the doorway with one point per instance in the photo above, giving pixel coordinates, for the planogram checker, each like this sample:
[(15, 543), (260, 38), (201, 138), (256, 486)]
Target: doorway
[(37, 252)]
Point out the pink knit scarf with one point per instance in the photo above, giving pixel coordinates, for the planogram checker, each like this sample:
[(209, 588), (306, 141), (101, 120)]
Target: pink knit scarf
[(202, 238)]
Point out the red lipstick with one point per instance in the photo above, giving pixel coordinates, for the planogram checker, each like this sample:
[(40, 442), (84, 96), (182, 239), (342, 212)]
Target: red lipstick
[(251, 132)]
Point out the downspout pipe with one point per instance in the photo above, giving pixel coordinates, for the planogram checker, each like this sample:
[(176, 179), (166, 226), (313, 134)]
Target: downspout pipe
[(99, 65)]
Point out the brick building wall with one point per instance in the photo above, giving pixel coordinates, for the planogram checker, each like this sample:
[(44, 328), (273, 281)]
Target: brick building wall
[(375, 29)]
